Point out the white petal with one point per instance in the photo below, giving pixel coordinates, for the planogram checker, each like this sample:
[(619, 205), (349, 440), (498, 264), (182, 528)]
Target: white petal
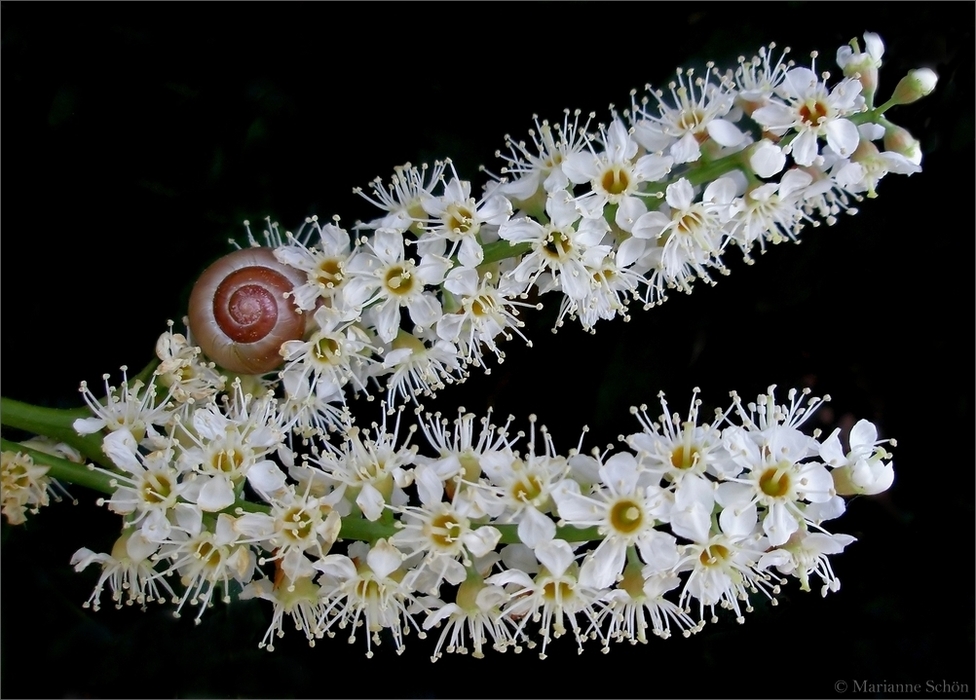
[(216, 494), (482, 540), (535, 529), (724, 133), (767, 159), (779, 524), (630, 251), (371, 502), (680, 195), (337, 566), (383, 559), (425, 310), (430, 488), (686, 150), (659, 550), (842, 136), (804, 148), (121, 448), (388, 245), (863, 435), (737, 521), (266, 477), (601, 568), (556, 556), (87, 426), (139, 548)]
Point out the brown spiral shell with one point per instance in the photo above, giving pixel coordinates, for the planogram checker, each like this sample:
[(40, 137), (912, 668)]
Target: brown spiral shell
[(239, 314)]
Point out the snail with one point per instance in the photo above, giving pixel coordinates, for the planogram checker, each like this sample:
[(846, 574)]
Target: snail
[(240, 314)]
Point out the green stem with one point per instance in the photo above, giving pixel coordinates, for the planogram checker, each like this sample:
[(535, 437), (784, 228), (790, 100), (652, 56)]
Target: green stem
[(499, 250), (707, 171), (64, 470), (569, 533), (54, 423)]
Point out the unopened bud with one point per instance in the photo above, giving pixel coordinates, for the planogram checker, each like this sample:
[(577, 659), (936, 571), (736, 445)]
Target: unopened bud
[(863, 65), (899, 140), (914, 86)]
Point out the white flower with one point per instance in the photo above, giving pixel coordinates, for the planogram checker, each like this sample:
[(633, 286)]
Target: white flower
[(132, 407), (542, 172), (638, 604), (24, 486), (696, 117), (863, 66), (301, 600), (128, 570), (150, 488), (372, 468), (367, 590), (558, 246), (188, 379), (868, 165), (691, 237), (384, 279), (412, 368), (616, 173), (863, 469), (552, 596), (772, 212), (814, 113), (723, 570), (676, 446), (441, 532), (225, 447), (460, 220), (775, 478), (206, 559), (806, 553), (625, 510), (299, 523), (324, 263), (336, 353), (474, 618), (760, 77), (484, 315), (403, 198)]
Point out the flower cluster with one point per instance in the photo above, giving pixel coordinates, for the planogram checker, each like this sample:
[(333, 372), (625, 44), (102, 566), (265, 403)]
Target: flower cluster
[(691, 517), (245, 484), (602, 214), (25, 486)]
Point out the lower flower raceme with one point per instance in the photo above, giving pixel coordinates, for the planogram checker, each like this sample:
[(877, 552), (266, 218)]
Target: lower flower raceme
[(235, 482)]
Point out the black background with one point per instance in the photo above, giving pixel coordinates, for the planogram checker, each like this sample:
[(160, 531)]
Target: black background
[(136, 138)]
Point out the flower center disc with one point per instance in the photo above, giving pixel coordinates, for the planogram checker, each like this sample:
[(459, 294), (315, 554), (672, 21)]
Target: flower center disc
[(626, 516), (397, 280), (615, 181), (813, 112), (774, 482), (714, 555)]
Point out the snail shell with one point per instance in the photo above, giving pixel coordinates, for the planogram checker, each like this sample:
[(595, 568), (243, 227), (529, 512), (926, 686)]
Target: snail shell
[(239, 314)]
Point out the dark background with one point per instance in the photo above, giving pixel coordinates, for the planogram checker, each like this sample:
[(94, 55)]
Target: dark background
[(136, 138)]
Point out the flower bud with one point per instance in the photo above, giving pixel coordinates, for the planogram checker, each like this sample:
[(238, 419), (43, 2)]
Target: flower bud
[(900, 141), (914, 86), (865, 65)]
